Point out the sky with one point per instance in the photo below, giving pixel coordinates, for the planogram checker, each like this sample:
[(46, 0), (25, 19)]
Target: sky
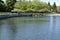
[(51, 1)]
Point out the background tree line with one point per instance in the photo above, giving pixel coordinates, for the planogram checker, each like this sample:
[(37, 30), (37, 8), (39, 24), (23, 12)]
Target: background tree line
[(7, 6), (27, 6)]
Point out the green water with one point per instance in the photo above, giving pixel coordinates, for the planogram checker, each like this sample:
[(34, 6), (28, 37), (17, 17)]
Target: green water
[(30, 28)]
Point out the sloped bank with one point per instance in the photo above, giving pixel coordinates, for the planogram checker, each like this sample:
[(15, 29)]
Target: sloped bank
[(14, 15), (21, 15)]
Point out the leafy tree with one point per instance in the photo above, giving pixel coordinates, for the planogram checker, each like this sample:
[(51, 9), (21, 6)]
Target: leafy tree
[(2, 6), (14, 1), (35, 0), (54, 7), (10, 4), (58, 9), (29, 0), (20, 0), (50, 7), (30, 6), (24, 0), (1, 1)]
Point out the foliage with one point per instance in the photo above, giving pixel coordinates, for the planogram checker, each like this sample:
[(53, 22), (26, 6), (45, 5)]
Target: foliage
[(10, 4), (27, 6), (44, 10), (2, 6), (54, 7), (33, 6), (58, 9), (50, 7)]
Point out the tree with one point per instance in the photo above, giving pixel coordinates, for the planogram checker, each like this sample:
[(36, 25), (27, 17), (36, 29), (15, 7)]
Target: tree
[(49, 6), (10, 4), (1, 1), (29, 0), (54, 7), (24, 0), (2, 6), (58, 9), (14, 1), (33, 6), (20, 0), (35, 0)]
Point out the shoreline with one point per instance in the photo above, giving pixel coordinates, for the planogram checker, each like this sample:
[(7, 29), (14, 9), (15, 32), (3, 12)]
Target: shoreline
[(26, 15), (53, 15)]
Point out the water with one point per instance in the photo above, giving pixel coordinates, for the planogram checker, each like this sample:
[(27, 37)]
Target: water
[(30, 28)]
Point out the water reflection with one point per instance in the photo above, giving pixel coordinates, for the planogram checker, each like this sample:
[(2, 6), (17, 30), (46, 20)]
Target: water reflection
[(4, 31), (45, 28), (57, 29), (12, 27), (32, 30), (52, 27), (54, 32), (1, 23)]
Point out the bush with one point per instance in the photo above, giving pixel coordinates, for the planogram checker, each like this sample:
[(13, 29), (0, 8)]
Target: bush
[(58, 9), (45, 10), (35, 7), (18, 10)]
